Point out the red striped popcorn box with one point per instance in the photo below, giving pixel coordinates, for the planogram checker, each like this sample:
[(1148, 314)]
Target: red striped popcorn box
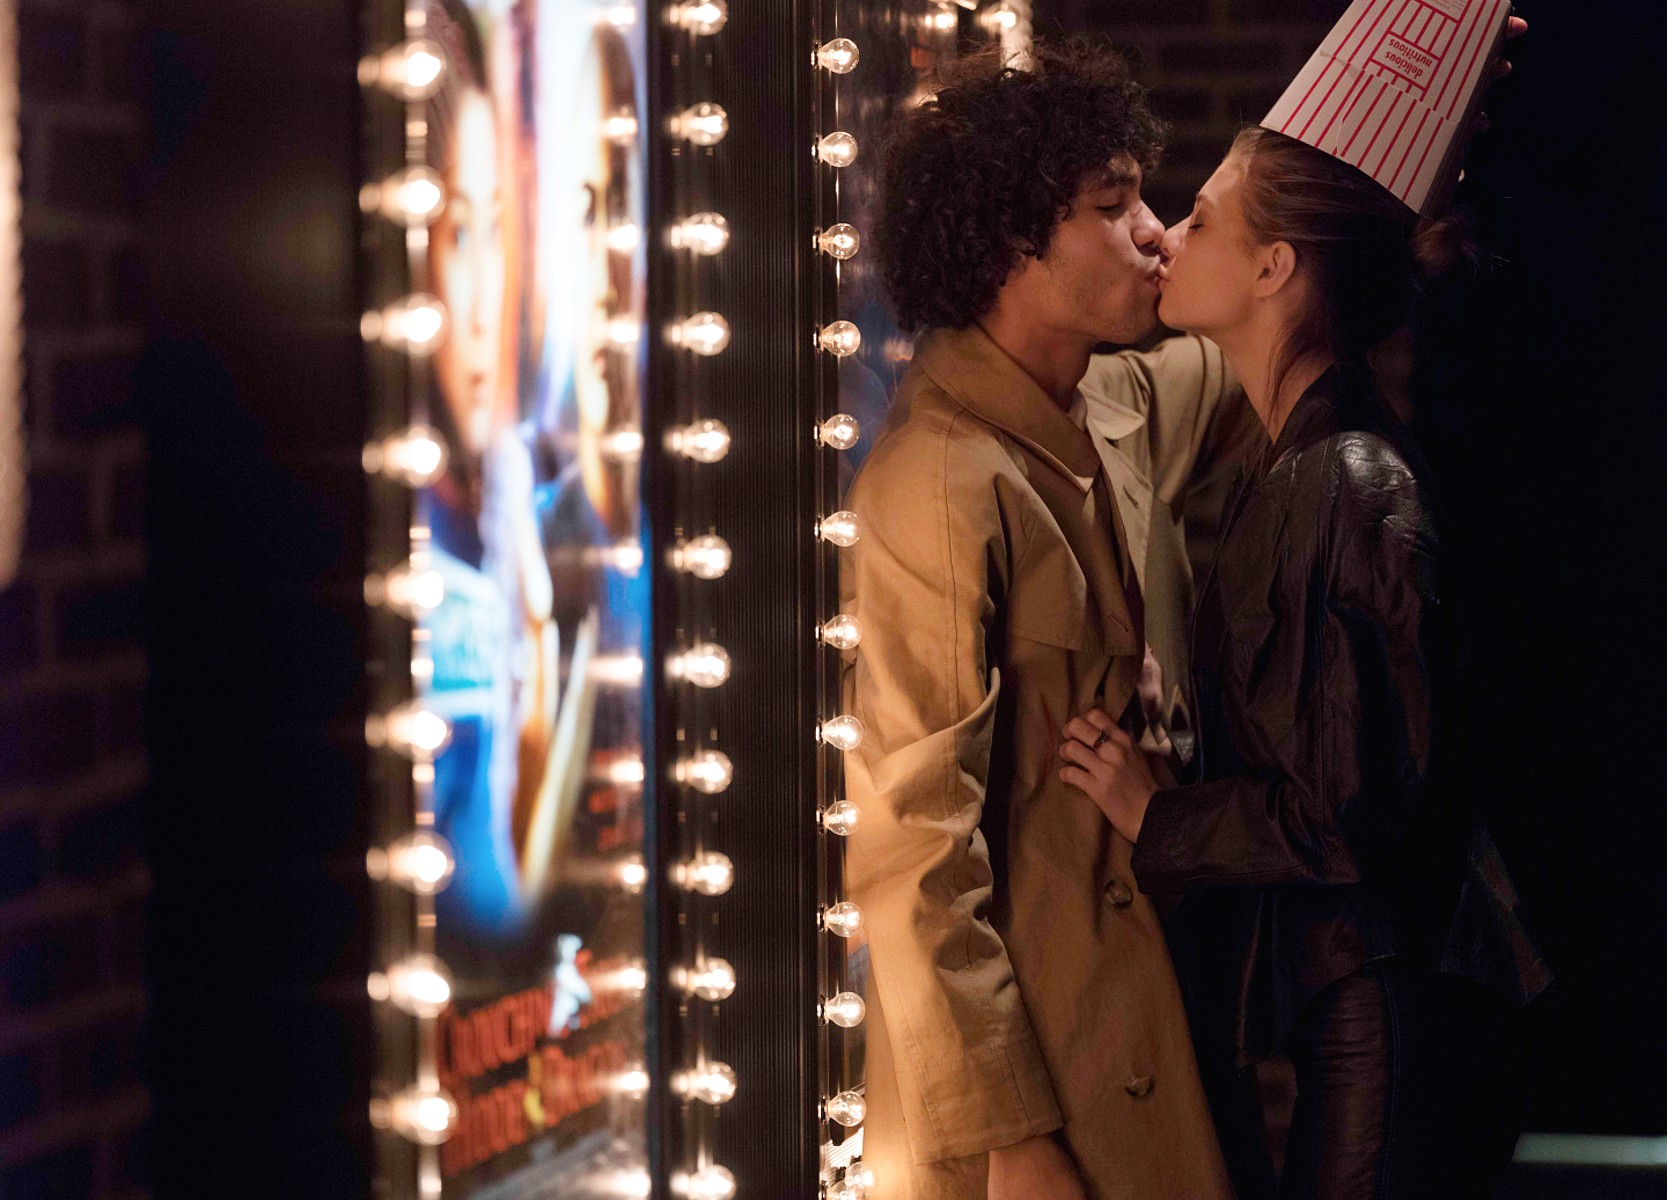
[(1393, 90)]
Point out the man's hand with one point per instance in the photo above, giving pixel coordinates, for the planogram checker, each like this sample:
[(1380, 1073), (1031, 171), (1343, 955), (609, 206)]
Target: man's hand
[(1037, 1169)]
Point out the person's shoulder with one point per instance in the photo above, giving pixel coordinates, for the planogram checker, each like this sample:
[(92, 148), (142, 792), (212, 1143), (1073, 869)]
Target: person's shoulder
[(1379, 510), (927, 430), (1371, 471)]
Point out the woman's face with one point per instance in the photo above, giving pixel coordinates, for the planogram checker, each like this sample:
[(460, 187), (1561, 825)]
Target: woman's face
[(467, 256), (1209, 259)]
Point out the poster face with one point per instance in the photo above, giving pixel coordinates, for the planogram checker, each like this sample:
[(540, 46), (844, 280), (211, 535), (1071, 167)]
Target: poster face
[(536, 529)]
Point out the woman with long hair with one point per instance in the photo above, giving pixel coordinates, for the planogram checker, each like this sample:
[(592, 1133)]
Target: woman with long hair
[(1337, 895)]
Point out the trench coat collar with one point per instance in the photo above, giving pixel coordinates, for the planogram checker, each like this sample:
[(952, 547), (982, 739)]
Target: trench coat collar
[(1336, 401), (977, 374), (1107, 418)]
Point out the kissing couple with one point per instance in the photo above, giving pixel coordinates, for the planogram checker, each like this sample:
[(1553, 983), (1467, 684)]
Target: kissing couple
[(1121, 842)]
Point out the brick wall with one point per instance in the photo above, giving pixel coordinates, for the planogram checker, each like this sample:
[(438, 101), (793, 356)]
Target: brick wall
[(1212, 66), (73, 883)]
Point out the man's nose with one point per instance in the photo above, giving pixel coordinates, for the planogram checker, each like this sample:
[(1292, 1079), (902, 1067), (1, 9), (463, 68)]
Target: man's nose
[(1148, 232)]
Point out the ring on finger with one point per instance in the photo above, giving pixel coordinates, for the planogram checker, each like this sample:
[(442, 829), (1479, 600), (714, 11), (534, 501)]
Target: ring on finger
[(1105, 736)]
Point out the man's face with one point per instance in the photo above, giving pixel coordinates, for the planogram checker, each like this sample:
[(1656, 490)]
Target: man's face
[(1099, 275)]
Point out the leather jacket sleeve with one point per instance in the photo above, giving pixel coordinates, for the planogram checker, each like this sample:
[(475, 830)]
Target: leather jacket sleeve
[(1335, 728)]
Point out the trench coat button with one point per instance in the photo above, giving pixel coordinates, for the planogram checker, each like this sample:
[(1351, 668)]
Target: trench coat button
[(1139, 1085), (1118, 894)]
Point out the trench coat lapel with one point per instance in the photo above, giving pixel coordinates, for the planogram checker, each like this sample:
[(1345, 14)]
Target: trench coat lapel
[(978, 375)]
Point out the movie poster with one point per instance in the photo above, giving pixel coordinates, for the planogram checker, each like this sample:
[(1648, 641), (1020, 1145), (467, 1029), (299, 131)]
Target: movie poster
[(537, 648)]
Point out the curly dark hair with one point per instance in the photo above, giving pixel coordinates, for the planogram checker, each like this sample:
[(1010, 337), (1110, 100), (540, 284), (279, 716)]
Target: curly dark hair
[(987, 169)]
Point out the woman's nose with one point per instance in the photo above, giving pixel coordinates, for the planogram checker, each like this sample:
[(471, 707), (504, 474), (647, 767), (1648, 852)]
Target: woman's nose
[(1171, 242)]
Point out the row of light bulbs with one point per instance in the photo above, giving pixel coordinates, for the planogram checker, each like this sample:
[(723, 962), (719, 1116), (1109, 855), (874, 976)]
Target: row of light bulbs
[(705, 872), (843, 1106), (420, 862)]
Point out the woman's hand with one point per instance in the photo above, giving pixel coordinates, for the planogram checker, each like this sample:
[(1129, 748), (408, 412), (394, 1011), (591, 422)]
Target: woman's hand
[(1107, 765)]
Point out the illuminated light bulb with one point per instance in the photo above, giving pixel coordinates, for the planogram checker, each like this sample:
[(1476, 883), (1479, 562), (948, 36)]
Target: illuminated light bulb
[(632, 1082), (943, 20), (847, 1109), (839, 241), (842, 733), (842, 632), (862, 1175), (840, 818), (630, 979), (617, 670), (704, 441), (706, 333), (633, 876), (624, 557), (419, 862), (622, 445), (632, 1184), (623, 239), (837, 149), (701, 17), (411, 589), (840, 528), (711, 979), (838, 56), (415, 457), (846, 1189), (624, 332), (411, 70), (621, 128), (704, 233), (708, 873), (843, 919), (624, 772), (414, 731), (709, 771), (704, 557), (414, 197), (703, 124), (621, 16), (708, 1183), (705, 665), (419, 985), (711, 1083), (840, 431), (1001, 18), (426, 1116), (840, 338), (415, 325), (845, 1009)]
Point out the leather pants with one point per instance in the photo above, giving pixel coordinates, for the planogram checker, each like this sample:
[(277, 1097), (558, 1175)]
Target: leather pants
[(1407, 1089)]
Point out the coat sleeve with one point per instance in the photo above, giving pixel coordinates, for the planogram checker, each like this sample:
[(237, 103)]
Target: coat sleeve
[(1199, 424), (1344, 763), (924, 581)]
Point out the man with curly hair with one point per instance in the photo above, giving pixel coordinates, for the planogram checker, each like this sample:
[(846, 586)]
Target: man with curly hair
[(1026, 1035)]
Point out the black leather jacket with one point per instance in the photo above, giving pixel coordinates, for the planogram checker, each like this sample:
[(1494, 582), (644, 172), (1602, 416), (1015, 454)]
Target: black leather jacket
[(1332, 823)]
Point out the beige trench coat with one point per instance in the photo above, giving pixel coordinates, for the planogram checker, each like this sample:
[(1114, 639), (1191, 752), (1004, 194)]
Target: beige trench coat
[(1019, 982)]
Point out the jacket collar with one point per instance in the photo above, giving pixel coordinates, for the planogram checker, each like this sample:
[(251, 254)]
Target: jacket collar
[(1108, 419), (977, 374), (1334, 402)]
